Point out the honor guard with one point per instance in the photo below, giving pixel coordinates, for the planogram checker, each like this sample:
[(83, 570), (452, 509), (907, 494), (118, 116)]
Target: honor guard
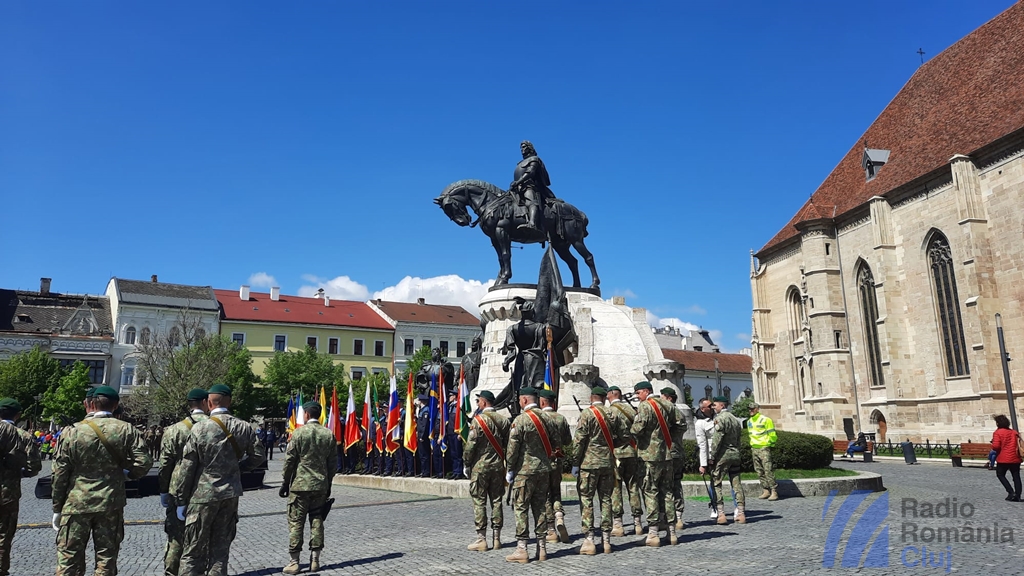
[(652, 430), (20, 460), (557, 531), (485, 466), (630, 470), (528, 459), (171, 447)]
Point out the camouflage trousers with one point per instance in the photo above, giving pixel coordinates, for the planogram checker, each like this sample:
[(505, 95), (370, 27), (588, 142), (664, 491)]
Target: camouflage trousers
[(487, 485), (8, 525), (209, 531), (530, 493), (598, 482), (175, 530), (727, 466), (630, 475), (300, 504), (107, 531), (554, 493), (764, 468), (657, 488)]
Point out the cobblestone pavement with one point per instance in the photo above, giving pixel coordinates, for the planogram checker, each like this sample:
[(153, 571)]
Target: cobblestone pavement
[(380, 532)]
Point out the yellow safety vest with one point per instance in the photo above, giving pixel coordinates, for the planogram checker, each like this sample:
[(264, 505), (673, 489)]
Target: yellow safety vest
[(762, 431)]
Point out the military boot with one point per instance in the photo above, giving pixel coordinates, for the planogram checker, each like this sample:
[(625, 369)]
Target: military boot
[(617, 530), (520, 555), (588, 548), (741, 516), (293, 566), (721, 517), (563, 532), (551, 536), (679, 521), (542, 550), (672, 538), (497, 538), (765, 493), (480, 544), (653, 539), (637, 526), (314, 561), (774, 495), (606, 541)]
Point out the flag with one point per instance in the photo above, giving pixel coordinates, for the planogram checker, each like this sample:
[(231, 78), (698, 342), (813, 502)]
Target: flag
[(351, 421), (411, 440), (323, 404), (443, 425), (333, 419), (378, 437), (291, 414), (394, 414), (547, 370), (379, 442), (368, 421), (300, 414), (432, 410), (462, 415)]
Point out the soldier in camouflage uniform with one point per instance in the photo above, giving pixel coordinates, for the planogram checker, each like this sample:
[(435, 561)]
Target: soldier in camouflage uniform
[(725, 459), (485, 466), (653, 435), (528, 461), (309, 467), (677, 458), (171, 448), (594, 465), (556, 517), (19, 458), (630, 469), (88, 485), (208, 481)]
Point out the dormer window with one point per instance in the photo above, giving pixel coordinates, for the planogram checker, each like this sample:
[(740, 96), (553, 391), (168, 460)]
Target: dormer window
[(872, 161)]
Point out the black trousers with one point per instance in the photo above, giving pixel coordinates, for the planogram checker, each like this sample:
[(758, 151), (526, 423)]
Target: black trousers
[(1015, 472)]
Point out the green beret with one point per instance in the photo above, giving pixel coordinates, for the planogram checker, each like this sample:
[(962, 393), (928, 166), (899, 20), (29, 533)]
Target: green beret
[(721, 399), (108, 392), (527, 391), (10, 404), (666, 391), (548, 394), (598, 391), (90, 392), (222, 389), (196, 394), (308, 405), (643, 386), (615, 389), (486, 395)]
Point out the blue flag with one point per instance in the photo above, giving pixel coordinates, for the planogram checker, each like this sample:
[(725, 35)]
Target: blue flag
[(432, 433)]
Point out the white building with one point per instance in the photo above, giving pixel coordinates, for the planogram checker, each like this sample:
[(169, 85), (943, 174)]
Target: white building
[(143, 311), (710, 374), (450, 328)]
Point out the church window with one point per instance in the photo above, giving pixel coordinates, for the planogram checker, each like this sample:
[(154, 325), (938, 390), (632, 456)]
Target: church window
[(796, 313), (869, 312), (129, 335), (827, 248), (951, 326)]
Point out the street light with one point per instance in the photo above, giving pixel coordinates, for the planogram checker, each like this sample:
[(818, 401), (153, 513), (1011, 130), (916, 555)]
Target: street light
[(1006, 371)]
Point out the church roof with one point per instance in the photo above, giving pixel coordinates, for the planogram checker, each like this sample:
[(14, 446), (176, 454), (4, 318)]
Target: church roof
[(968, 96)]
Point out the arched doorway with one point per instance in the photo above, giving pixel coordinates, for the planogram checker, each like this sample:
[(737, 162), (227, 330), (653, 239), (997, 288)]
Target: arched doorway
[(878, 419)]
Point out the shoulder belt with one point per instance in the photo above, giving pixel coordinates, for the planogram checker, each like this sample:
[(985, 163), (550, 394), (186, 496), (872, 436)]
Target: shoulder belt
[(188, 422), (490, 436), (118, 459), (604, 429), (543, 434), (661, 422), (618, 406), (231, 437)]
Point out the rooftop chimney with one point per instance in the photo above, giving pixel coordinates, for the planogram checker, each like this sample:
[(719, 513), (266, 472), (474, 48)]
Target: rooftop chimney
[(275, 293), (319, 293), (327, 301), (153, 278), (421, 301), (44, 286), (243, 293)]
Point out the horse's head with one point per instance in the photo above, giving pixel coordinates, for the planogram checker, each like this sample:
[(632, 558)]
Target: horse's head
[(453, 202)]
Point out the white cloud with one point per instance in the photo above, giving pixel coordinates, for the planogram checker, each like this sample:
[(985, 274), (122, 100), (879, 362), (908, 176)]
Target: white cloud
[(262, 280), (341, 287), (696, 310), (450, 289), (716, 336), (658, 322), (626, 293)]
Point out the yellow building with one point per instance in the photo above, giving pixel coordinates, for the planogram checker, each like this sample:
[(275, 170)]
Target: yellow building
[(349, 332)]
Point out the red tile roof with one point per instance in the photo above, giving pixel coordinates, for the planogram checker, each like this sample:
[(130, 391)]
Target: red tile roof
[(705, 361), (966, 97), (298, 310), (428, 313)]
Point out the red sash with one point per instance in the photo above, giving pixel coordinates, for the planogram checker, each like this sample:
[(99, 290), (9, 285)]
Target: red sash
[(604, 429), (625, 414), (490, 437), (543, 434), (661, 422)]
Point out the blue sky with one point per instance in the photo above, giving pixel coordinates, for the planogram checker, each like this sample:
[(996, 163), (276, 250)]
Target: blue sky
[(211, 142)]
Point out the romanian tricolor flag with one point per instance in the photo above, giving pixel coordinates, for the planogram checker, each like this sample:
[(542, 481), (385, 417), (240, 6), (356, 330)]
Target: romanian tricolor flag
[(411, 441)]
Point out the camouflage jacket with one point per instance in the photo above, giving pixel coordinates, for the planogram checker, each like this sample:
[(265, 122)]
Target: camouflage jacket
[(623, 411), (677, 435), (311, 459), (726, 441), (210, 469), (87, 478), (646, 429), (22, 461), (562, 438), (172, 445), (525, 454), (479, 455), (590, 449)]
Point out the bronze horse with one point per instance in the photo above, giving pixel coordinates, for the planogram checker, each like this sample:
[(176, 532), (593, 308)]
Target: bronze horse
[(498, 218)]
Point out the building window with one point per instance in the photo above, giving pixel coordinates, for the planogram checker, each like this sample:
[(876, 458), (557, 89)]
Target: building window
[(144, 337), (96, 368), (948, 306), (174, 338), (357, 349), (312, 342), (280, 342), (796, 314), (332, 346), (357, 375), (427, 344), (129, 335), (460, 349), (727, 392), (838, 334), (707, 392), (444, 347), (698, 348), (378, 348), (869, 310), (238, 338), (128, 376), (410, 347)]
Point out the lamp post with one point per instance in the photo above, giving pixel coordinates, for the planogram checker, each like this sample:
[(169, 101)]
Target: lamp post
[(1006, 371)]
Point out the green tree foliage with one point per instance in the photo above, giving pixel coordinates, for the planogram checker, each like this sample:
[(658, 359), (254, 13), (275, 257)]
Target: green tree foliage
[(63, 403), (289, 373), (26, 375), (741, 407), (794, 450), (421, 357)]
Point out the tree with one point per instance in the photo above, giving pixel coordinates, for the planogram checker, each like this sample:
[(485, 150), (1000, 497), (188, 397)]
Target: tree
[(421, 357), (289, 373), (26, 375), (63, 403), (741, 407)]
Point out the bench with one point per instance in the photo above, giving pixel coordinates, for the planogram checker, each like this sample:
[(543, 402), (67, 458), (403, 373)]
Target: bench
[(971, 450), (868, 453)]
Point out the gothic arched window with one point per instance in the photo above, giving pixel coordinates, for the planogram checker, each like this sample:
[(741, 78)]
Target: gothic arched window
[(947, 306), (869, 311)]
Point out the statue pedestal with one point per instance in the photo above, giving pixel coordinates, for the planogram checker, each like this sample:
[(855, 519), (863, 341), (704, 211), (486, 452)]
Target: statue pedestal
[(498, 309)]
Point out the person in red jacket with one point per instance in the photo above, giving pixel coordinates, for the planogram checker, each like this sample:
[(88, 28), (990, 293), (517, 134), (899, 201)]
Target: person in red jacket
[(1004, 442)]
